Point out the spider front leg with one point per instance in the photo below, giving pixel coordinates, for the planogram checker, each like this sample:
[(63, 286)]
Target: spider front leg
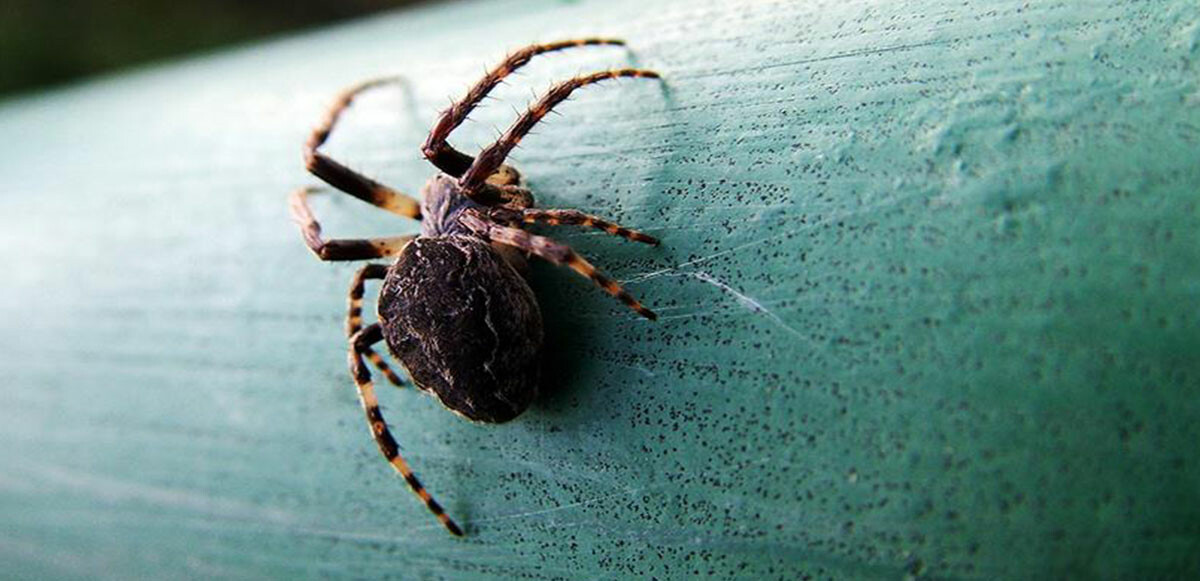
[(354, 317), (473, 181), (344, 178), (455, 162), (360, 341), (339, 249), (552, 251)]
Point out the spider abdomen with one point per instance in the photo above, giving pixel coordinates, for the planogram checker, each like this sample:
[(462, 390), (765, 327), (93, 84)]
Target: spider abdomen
[(465, 325)]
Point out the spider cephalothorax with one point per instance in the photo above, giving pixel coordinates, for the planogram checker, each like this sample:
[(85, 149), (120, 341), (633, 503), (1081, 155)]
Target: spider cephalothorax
[(454, 307)]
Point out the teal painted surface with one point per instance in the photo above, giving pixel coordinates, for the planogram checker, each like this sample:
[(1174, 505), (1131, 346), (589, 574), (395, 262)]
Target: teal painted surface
[(928, 287)]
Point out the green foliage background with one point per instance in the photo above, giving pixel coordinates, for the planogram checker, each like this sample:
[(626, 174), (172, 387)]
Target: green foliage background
[(52, 42)]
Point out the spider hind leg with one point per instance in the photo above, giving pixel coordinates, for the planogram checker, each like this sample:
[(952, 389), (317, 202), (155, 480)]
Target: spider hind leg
[(361, 340), (354, 317)]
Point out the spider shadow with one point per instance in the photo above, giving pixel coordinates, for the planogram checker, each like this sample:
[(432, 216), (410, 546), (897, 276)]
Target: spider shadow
[(568, 340), (562, 366)]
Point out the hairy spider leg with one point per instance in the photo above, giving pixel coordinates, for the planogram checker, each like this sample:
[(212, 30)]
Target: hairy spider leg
[(344, 178), (343, 249), (364, 338), (554, 252), (490, 159), (455, 162), (354, 317), (572, 217)]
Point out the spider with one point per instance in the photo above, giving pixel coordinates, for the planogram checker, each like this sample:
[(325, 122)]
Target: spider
[(454, 308)]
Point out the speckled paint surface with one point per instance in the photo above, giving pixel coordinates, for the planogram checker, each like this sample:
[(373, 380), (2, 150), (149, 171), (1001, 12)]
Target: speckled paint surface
[(928, 289)]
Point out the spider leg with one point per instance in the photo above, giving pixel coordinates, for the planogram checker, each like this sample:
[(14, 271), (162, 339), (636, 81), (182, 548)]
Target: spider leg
[(363, 339), (490, 159), (455, 162), (344, 178), (339, 249), (573, 217), (354, 317), (552, 251)]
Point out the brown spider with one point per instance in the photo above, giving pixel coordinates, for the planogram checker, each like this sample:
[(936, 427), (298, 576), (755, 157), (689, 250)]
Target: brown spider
[(454, 307)]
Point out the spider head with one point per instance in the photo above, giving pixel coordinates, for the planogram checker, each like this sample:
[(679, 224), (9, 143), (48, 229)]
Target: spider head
[(506, 175)]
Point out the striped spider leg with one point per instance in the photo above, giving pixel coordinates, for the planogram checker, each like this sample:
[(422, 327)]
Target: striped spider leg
[(475, 181), (556, 252), (360, 343), (455, 162)]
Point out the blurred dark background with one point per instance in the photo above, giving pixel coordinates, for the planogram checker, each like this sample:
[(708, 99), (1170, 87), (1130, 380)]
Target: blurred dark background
[(44, 43)]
